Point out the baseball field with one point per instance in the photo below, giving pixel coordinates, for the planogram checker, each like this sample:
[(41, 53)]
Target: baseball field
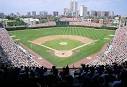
[(63, 45)]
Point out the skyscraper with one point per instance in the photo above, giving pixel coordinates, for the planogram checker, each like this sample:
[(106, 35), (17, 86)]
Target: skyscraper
[(101, 14), (67, 12), (43, 13), (18, 14), (93, 13), (28, 14), (74, 8), (111, 13), (55, 13), (83, 11), (2, 15), (34, 13)]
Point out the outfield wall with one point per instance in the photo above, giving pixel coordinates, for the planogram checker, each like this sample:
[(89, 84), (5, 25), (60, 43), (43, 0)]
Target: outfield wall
[(62, 24)]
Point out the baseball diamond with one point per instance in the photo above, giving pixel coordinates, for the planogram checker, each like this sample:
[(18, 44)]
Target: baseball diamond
[(62, 46)]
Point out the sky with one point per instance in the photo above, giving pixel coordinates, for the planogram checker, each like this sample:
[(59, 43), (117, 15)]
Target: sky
[(24, 6)]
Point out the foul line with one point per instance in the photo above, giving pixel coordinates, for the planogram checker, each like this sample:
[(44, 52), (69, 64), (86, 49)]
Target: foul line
[(48, 47), (83, 45), (71, 49)]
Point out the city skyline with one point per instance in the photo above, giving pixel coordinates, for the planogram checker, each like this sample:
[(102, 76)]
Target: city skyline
[(23, 6)]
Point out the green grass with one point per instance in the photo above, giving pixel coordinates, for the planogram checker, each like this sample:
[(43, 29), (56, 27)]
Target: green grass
[(56, 44), (30, 34)]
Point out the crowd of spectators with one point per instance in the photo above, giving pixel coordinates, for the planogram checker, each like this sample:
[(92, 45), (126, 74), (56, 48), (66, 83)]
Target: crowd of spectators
[(116, 50), (72, 22), (87, 76), (47, 24), (71, 19), (13, 52), (84, 23), (79, 22)]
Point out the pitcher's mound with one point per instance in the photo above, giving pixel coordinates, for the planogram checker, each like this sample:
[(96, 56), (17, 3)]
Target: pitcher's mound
[(63, 43)]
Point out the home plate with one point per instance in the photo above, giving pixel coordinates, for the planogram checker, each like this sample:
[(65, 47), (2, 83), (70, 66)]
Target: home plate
[(63, 53)]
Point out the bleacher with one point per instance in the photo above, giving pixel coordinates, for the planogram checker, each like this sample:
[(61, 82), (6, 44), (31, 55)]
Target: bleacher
[(14, 54), (116, 51)]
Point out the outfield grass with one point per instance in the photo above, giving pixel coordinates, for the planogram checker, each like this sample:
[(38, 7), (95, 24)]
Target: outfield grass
[(96, 34)]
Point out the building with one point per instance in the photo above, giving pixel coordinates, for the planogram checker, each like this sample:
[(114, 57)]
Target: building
[(106, 13), (111, 14), (18, 14), (83, 11), (28, 14), (34, 13), (1, 25), (12, 15), (123, 21), (96, 13), (3, 21), (55, 13), (30, 21), (101, 14), (43, 13), (67, 12), (2, 15), (116, 21), (93, 13), (74, 8)]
